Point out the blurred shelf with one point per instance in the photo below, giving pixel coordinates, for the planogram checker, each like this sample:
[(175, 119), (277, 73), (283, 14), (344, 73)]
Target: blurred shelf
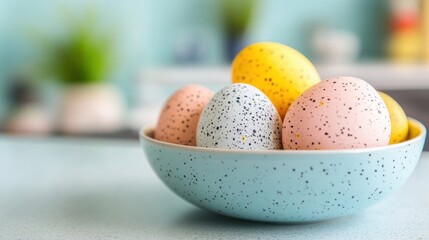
[(188, 74), (415, 102), (381, 75), (123, 134)]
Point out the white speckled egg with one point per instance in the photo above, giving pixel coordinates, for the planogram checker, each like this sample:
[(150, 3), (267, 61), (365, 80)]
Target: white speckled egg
[(240, 116), (337, 113)]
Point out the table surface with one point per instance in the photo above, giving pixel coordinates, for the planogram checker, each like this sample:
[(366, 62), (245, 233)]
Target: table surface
[(55, 188)]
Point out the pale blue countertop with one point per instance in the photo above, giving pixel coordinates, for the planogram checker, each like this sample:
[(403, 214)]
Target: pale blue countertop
[(58, 188)]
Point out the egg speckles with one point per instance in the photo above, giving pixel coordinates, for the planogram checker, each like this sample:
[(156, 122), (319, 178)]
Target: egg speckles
[(338, 113), (240, 117), (179, 117), (281, 72)]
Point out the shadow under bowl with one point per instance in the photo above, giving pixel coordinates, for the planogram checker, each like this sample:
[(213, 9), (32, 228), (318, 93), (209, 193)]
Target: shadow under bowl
[(286, 186)]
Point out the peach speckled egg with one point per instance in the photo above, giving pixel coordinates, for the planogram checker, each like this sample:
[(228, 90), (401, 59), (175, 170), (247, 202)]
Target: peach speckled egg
[(179, 117), (338, 113), (281, 72)]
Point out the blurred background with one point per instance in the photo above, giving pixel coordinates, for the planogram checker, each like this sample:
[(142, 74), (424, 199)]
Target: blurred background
[(103, 68)]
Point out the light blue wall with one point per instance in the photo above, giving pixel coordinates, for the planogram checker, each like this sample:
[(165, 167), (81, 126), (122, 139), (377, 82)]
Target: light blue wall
[(152, 32), (169, 24), (148, 33), (290, 22)]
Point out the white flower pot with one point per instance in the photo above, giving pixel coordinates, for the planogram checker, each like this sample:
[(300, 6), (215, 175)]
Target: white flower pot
[(92, 108)]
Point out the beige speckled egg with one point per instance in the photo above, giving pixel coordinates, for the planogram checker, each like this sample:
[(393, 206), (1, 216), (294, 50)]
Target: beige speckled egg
[(337, 113), (179, 117)]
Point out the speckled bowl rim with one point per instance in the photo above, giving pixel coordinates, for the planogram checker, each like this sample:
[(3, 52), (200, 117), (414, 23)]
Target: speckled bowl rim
[(147, 129)]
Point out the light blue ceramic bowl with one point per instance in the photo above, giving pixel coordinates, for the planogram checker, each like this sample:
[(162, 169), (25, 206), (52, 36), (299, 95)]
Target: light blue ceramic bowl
[(284, 186)]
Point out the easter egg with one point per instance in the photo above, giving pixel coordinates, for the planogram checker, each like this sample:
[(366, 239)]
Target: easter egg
[(281, 72), (240, 117), (397, 118), (337, 113), (179, 117)]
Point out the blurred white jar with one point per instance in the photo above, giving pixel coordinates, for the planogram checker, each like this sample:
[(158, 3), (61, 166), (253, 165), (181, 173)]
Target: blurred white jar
[(332, 46), (29, 119), (92, 108)]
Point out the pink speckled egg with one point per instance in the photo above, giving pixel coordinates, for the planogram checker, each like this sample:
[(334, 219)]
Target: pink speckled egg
[(179, 117), (338, 113)]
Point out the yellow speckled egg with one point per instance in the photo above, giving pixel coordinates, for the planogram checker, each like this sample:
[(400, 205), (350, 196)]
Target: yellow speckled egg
[(281, 72), (397, 118)]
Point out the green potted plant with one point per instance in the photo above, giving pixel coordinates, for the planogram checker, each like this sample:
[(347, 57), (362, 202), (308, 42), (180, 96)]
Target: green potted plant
[(82, 61), (236, 16)]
